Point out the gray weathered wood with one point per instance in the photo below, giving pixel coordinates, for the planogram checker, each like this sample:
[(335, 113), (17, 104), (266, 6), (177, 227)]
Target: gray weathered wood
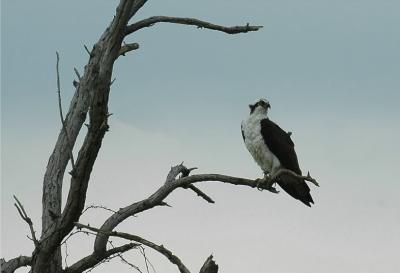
[(91, 99), (93, 91), (13, 264)]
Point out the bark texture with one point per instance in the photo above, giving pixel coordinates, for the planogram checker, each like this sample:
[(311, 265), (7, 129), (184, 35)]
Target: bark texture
[(92, 92)]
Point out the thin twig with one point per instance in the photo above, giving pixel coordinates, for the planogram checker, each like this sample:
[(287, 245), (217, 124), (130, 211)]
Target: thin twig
[(74, 233), (77, 74), (97, 207), (142, 250), (66, 254), (87, 50), (62, 116), (125, 261), (147, 261), (25, 217), (201, 194)]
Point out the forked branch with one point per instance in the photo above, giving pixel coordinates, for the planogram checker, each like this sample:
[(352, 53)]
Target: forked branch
[(25, 217), (189, 21), (186, 172)]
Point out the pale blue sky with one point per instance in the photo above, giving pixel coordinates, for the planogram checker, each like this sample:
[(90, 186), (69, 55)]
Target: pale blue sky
[(331, 70)]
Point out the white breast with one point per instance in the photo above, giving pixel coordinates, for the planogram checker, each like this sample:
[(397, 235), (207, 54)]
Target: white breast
[(255, 144)]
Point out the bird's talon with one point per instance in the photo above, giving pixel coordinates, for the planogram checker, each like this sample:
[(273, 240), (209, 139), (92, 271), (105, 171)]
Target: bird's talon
[(259, 182), (265, 183), (273, 190)]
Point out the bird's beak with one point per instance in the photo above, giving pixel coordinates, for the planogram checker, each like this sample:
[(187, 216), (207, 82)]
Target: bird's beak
[(251, 106), (268, 105)]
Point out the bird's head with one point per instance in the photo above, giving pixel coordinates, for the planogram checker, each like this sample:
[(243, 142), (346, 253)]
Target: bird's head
[(261, 106)]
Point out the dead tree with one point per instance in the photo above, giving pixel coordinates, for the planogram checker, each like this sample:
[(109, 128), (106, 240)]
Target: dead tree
[(90, 101)]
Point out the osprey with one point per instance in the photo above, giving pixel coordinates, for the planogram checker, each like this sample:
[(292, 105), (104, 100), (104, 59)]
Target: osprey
[(273, 149)]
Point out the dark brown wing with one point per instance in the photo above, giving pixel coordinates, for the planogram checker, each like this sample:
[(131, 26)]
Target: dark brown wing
[(282, 146)]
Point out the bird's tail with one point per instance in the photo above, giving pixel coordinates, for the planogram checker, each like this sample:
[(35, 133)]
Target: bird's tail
[(296, 187)]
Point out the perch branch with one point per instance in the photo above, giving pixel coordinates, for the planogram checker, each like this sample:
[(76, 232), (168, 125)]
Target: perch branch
[(160, 248), (61, 113), (157, 198), (188, 21), (26, 218), (13, 264)]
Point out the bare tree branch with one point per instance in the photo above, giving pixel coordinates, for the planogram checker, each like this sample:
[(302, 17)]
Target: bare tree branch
[(158, 197), (13, 264), (28, 220), (128, 47), (87, 50), (201, 193), (137, 4), (185, 172), (124, 260), (160, 248), (97, 207), (92, 91), (71, 147), (209, 266), (146, 260), (92, 260), (77, 74), (286, 171), (189, 21)]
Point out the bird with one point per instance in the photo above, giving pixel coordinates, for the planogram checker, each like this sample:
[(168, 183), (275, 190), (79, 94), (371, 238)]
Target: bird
[(273, 150)]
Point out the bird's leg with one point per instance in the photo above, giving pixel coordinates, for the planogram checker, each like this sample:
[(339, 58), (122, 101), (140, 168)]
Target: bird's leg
[(266, 183)]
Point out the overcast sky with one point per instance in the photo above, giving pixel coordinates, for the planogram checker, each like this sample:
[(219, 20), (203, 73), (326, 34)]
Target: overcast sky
[(331, 70)]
